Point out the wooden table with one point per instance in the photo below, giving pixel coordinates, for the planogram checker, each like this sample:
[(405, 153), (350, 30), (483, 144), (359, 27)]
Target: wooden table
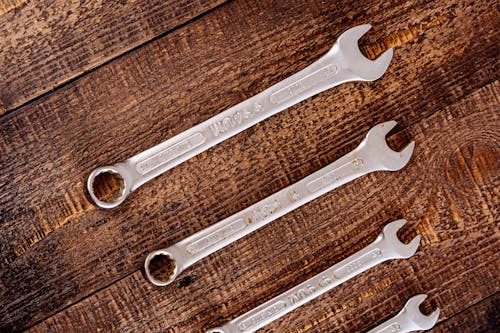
[(89, 83)]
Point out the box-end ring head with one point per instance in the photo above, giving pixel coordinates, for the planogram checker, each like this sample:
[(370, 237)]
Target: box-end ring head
[(161, 268), (103, 175)]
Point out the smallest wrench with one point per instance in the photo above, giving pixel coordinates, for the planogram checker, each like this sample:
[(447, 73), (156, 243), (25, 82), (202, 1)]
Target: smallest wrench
[(409, 319), (385, 247)]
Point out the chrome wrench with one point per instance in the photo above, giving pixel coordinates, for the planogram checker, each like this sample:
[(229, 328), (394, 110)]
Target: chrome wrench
[(409, 319), (372, 154), (344, 62), (387, 246)]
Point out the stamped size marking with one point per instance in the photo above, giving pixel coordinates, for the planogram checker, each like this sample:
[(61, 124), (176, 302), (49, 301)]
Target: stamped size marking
[(395, 328), (309, 290), (216, 236), (293, 195), (301, 294), (355, 265), (265, 210), (392, 328), (335, 175), (261, 315), (358, 164), (307, 82), (170, 153), (235, 119)]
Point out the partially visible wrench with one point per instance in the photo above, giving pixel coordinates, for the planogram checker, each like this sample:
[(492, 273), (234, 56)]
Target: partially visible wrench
[(343, 63), (409, 319), (386, 246), (373, 154)]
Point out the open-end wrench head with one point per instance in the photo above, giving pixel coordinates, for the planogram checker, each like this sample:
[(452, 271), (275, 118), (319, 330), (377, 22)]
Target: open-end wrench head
[(390, 236), (386, 158), (413, 313), (364, 68)]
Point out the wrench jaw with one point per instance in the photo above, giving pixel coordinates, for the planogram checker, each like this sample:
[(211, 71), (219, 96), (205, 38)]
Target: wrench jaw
[(380, 154), (416, 317), (115, 170), (396, 248), (363, 68), (172, 274)]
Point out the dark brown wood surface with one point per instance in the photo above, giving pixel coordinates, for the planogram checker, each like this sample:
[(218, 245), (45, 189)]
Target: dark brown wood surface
[(44, 44), (66, 265)]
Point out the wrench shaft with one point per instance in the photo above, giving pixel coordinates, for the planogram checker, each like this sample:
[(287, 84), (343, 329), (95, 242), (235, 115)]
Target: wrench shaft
[(342, 63), (317, 77), (223, 233), (372, 154), (310, 289), (384, 248)]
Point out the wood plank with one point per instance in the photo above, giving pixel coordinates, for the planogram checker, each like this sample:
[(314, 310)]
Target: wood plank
[(482, 317), (57, 248), (44, 44), (8, 5), (453, 207)]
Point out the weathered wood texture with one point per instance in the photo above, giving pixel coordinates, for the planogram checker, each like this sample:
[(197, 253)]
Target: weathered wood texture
[(63, 258), (46, 43), (451, 207), (481, 317)]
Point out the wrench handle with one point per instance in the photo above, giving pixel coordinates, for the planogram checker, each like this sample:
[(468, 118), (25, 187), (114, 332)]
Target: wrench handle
[(390, 326), (211, 239), (293, 298), (321, 75)]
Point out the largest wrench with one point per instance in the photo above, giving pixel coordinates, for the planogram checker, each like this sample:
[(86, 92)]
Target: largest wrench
[(342, 63)]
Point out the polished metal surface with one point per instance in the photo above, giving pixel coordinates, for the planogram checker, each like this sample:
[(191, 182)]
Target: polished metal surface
[(409, 319), (372, 154), (387, 246), (342, 63)]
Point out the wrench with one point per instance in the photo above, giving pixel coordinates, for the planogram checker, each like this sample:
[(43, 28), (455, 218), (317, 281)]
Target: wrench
[(372, 154), (387, 246), (342, 63), (409, 319)]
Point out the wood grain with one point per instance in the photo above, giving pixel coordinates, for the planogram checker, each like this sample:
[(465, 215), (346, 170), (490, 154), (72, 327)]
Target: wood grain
[(481, 317), (59, 253), (44, 44), (307, 241)]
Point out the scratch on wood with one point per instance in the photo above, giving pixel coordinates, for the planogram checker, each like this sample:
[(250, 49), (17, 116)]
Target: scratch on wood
[(76, 207), (426, 226), (8, 5), (401, 37)]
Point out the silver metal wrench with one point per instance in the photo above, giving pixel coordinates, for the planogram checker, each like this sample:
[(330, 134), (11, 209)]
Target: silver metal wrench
[(387, 246), (344, 62), (372, 154), (409, 319)]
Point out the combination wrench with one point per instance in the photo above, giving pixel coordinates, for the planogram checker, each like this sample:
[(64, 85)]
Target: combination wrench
[(372, 154), (344, 62), (387, 246), (409, 319)]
